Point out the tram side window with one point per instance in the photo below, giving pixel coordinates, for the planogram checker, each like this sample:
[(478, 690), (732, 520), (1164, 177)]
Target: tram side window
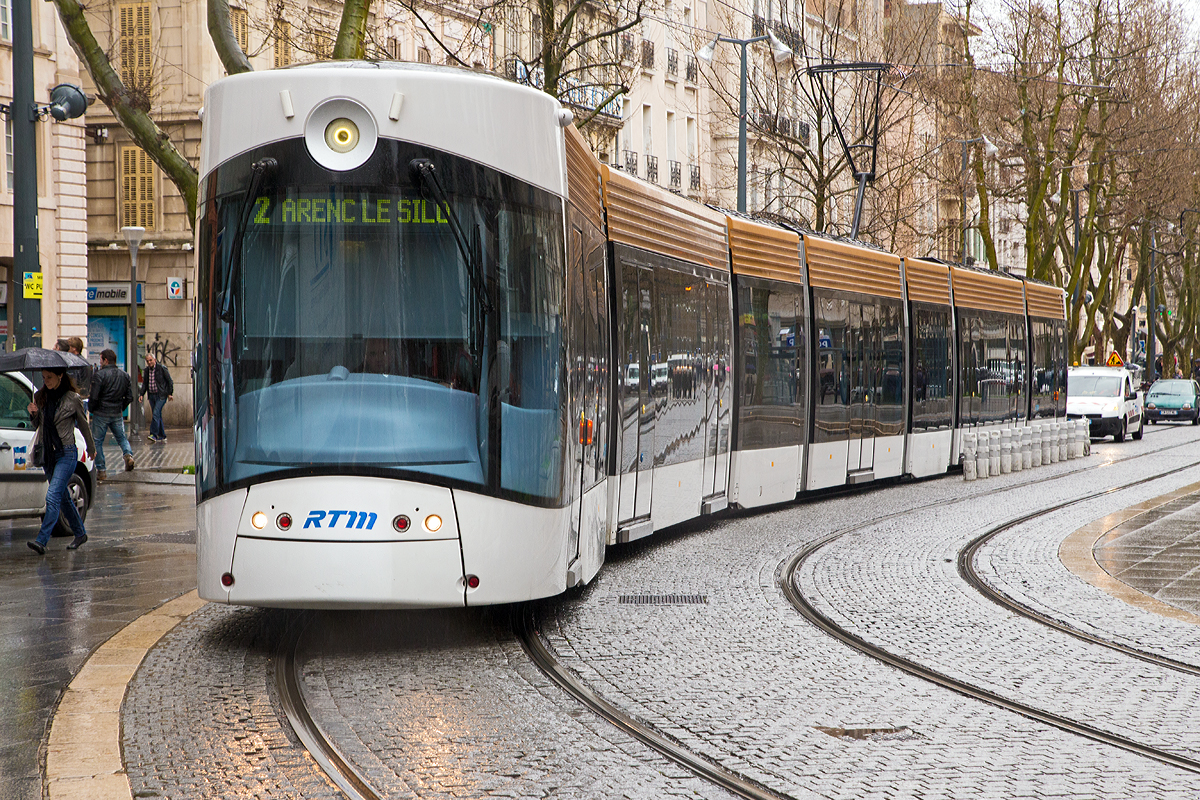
[(992, 366), (831, 324), (1059, 334), (772, 334), (933, 379)]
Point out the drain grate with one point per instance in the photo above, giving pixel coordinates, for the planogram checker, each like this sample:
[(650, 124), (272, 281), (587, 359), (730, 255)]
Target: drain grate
[(182, 537), (664, 599), (871, 734)]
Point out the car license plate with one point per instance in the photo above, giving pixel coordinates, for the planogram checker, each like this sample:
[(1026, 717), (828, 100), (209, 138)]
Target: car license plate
[(1168, 413)]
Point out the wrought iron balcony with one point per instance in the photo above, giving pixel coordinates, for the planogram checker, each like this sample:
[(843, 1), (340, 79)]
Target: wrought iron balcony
[(694, 182), (672, 61), (647, 54), (652, 168), (676, 175), (631, 161), (626, 46), (693, 70)]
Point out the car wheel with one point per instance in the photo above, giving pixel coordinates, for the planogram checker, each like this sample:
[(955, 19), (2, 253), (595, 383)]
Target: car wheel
[(77, 491), (1153, 422), (1196, 419), (1119, 436), (1141, 429)]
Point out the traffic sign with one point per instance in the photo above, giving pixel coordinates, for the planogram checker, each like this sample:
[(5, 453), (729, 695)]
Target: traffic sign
[(1115, 360), (33, 286)]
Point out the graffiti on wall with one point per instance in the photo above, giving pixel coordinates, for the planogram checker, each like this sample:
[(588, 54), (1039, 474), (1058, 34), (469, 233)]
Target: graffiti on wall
[(166, 351)]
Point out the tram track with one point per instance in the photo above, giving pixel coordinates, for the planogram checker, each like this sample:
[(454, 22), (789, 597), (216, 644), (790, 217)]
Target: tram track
[(832, 628), (524, 623)]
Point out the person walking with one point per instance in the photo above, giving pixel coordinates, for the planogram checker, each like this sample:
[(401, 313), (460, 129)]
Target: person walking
[(158, 386), (57, 410), (112, 392)]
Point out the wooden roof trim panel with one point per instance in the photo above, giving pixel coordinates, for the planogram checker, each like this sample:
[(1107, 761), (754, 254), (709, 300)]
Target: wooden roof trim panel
[(1045, 301), (841, 266), (762, 251), (986, 292), (927, 282), (583, 175), (653, 219)]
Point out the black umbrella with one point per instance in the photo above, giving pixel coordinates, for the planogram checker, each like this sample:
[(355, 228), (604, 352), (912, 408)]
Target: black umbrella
[(32, 359)]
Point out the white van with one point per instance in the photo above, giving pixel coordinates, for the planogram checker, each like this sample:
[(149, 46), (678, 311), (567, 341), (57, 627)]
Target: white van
[(1108, 397)]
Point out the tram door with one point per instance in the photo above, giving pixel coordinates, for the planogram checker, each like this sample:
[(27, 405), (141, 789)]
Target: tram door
[(636, 404), (865, 382)]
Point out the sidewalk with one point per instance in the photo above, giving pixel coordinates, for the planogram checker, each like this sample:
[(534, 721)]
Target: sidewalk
[(157, 462)]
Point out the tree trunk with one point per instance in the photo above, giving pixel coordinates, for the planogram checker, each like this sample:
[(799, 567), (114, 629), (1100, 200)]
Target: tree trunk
[(128, 109), (220, 30), (353, 30)]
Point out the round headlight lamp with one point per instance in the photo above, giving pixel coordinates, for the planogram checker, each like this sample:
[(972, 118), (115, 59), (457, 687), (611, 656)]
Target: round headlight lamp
[(341, 135)]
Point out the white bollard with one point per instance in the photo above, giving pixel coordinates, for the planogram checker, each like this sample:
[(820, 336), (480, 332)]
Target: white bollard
[(1055, 433), (969, 443), (1064, 427), (981, 454), (1035, 445), (1085, 431), (1048, 440), (1069, 436), (1006, 451), (1017, 466), (994, 452), (1078, 431), (1027, 447)]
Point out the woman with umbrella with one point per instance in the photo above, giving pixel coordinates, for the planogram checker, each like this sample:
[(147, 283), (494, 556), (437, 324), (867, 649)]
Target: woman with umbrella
[(57, 410)]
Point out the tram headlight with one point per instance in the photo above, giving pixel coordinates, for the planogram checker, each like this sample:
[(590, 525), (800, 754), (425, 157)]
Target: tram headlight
[(259, 520), (341, 135), (433, 523)]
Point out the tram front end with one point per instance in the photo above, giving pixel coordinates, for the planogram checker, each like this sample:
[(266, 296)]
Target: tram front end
[(380, 410)]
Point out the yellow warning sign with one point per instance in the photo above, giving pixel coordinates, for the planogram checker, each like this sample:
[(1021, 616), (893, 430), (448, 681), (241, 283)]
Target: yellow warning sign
[(33, 286), (1115, 360)]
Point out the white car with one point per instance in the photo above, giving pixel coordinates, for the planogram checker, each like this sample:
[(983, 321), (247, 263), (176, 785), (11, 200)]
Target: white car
[(22, 485), (1108, 398)]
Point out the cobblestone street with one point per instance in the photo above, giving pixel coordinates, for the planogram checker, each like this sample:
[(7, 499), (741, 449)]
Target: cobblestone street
[(689, 631)]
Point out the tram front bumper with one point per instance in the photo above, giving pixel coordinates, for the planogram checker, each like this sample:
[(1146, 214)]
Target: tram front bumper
[(299, 574)]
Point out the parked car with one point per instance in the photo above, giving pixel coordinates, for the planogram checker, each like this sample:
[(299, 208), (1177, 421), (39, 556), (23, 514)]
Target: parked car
[(1173, 401), (1108, 398), (22, 485)]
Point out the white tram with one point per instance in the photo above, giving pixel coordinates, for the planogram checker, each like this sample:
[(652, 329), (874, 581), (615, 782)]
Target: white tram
[(445, 357)]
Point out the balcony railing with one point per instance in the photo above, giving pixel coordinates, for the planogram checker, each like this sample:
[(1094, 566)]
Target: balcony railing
[(672, 61), (626, 46), (802, 131), (692, 72), (631, 159), (785, 33), (652, 168), (676, 175), (647, 54), (694, 182)]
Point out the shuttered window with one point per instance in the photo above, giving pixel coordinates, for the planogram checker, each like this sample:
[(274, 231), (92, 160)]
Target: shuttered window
[(240, 20), (137, 188), (135, 44), (283, 43)]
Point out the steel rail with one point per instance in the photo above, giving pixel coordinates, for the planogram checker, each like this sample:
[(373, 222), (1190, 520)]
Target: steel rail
[(824, 623), (291, 696)]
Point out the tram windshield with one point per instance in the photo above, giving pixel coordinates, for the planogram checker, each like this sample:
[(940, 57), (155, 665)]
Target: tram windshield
[(362, 330)]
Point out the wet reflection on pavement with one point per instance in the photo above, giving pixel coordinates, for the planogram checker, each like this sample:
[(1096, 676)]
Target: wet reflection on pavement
[(1158, 552), (56, 609)]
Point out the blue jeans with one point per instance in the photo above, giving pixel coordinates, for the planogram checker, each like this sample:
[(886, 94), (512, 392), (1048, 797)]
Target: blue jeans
[(157, 401), (100, 428), (59, 472)]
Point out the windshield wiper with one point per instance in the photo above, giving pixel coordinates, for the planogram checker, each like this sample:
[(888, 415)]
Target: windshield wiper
[(426, 172), (259, 170)]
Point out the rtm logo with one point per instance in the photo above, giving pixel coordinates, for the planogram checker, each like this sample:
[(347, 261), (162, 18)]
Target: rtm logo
[(358, 520)]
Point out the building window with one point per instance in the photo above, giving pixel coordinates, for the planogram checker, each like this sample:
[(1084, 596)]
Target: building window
[(283, 43), (6, 20), (135, 45), (8, 153), (423, 55), (137, 188), (393, 47), (240, 18)]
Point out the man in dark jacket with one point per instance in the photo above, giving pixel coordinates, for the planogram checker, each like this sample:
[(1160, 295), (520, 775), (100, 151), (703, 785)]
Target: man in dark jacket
[(112, 392), (158, 386)]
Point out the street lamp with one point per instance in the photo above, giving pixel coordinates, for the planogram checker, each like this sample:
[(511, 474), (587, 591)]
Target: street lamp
[(781, 53), (133, 236), (988, 149)]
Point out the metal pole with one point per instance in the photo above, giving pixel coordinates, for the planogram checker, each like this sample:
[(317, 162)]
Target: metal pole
[(131, 351), (858, 203), (741, 190), (1151, 312), (24, 316)]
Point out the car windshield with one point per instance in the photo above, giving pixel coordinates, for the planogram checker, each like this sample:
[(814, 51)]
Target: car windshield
[(1171, 389), (1093, 385)]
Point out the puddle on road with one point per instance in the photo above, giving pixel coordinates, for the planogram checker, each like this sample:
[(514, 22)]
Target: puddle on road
[(871, 734)]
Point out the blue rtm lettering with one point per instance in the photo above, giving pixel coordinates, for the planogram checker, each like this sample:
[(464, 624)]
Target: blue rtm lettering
[(358, 520)]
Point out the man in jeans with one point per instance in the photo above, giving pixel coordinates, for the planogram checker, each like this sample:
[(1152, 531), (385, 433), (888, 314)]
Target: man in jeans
[(157, 384), (112, 392)]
